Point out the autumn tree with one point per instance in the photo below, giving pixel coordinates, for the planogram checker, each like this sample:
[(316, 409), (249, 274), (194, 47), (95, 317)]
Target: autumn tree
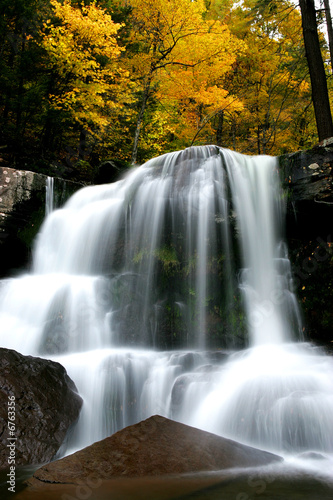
[(177, 57), (270, 78), (137, 78), (313, 42), (329, 25), (87, 85), (320, 96)]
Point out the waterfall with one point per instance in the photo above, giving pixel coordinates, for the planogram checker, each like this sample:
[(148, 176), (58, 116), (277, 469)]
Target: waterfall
[(49, 198), (170, 292)]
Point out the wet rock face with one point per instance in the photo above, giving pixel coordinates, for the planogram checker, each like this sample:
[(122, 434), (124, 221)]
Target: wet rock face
[(153, 447), (308, 175), (307, 178), (38, 405), (22, 211)]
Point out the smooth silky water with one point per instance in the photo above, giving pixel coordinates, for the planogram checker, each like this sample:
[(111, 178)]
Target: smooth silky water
[(95, 301)]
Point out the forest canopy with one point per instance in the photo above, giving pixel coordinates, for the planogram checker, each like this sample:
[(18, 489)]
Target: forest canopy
[(83, 83)]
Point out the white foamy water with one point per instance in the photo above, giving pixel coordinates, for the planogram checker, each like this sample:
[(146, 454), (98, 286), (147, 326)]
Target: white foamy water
[(98, 300)]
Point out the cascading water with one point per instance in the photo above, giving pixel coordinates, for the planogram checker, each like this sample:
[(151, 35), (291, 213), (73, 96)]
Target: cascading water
[(135, 284), (49, 195)]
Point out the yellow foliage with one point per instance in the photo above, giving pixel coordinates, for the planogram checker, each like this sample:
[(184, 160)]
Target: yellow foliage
[(84, 53), (189, 68), (270, 78), (182, 57)]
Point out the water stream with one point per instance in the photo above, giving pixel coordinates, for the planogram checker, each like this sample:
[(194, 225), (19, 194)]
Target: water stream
[(49, 195), (144, 290)]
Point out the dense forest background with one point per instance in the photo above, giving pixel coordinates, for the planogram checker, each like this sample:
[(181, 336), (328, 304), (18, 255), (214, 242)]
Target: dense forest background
[(116, 82)]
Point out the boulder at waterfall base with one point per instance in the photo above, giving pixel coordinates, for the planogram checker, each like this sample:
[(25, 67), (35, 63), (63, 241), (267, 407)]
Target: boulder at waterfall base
[(38, 405), (156, 446)]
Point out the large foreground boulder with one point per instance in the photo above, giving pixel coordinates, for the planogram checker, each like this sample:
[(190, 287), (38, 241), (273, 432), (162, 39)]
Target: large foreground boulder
[(38, 405), (156, 446)]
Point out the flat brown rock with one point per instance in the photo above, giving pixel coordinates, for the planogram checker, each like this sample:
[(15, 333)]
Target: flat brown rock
[(156, 446)]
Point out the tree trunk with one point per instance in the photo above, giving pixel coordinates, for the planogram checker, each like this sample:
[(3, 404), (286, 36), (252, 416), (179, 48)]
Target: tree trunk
[(317, 70), (140, 118), (329, 29), (83, 144), (258, 141), (20, 92), (219, 130)]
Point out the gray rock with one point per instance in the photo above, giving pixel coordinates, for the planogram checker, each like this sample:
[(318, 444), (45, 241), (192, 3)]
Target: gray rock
[(307, 180), (38, 405), (308, 175), (22, 211)]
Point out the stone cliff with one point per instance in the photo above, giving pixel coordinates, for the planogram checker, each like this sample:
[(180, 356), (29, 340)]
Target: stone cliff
[(307, 179)]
